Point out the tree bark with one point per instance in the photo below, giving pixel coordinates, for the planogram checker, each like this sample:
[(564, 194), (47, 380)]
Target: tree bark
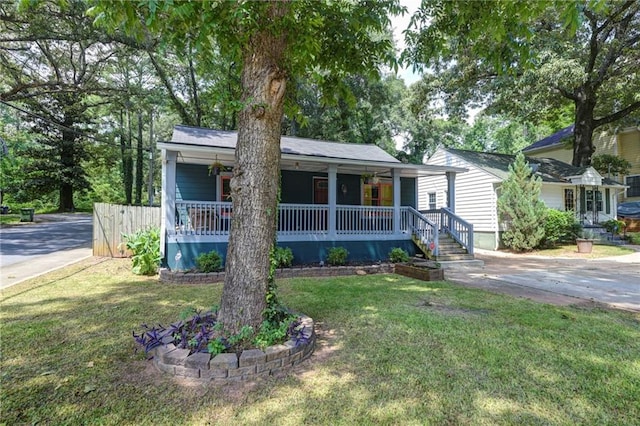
[(584, 126), (139, 162), (255, 181), (68, 163)]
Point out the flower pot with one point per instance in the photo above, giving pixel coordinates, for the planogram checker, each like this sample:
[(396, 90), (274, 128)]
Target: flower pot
[(584, 245)]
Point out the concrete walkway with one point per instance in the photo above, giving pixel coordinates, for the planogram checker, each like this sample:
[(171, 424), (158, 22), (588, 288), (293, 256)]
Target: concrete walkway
[(614, 281)]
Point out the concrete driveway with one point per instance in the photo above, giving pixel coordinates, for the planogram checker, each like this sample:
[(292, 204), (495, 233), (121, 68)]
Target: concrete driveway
[(614, 281), (52, 241)]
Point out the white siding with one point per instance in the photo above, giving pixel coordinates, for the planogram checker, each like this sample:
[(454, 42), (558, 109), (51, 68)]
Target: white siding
[(475, 194), (553, 196)]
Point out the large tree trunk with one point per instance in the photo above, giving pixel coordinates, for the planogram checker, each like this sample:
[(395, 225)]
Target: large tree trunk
[(139, 162), (254, 185), (583, 147)]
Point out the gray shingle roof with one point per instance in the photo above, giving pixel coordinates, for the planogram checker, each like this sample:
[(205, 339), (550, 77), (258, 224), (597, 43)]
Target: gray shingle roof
[(548, 169), (288, 145), (555, 139)]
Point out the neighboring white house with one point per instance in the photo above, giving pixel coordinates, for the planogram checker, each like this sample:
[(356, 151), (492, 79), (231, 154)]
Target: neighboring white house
[(564, 187)]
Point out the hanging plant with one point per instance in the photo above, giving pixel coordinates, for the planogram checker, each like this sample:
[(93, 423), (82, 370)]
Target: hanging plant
[(216, 168)]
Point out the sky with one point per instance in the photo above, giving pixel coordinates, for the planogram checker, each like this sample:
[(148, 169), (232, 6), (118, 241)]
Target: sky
[(400, 23)]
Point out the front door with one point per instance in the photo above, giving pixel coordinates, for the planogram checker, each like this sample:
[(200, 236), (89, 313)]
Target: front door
[(320, 190)]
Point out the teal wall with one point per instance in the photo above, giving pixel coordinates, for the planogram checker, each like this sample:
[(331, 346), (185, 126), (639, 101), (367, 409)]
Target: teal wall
[(297, 187), (304, 252), (408, 192), (193, 182)]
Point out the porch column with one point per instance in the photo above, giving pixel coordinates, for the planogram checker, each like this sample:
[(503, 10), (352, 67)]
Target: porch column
[(168, 197), (451, 191), (332, 188), (395, 173)]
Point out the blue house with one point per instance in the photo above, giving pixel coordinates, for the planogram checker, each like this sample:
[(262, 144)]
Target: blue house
[(332, 194)]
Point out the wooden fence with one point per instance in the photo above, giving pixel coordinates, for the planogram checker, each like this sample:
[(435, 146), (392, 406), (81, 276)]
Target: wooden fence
[(110, 221)]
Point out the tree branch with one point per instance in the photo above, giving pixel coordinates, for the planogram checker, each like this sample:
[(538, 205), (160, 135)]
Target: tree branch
[(617, 115)]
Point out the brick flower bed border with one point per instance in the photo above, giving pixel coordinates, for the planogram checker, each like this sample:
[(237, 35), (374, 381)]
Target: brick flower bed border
[(181, 277), (229, 367)]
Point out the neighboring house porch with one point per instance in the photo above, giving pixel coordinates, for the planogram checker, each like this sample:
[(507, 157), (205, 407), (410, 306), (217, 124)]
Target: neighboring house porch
[(564, 187), (332, 194)]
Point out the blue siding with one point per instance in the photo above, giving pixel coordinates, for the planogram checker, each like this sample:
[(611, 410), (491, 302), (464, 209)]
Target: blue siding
[(297, 187), (193, 182), (304, 252), (408, 192)]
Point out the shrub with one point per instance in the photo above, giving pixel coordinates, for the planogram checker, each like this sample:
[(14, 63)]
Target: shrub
[(559, 226), (614, 226), (209, 262), (398, 255), (337, 256), (634, 238), (282, 257), (145, 247), (520, 207)]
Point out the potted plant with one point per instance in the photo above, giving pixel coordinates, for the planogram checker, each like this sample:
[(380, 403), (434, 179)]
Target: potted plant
[(367, 178), (216, 168), (585, 241)]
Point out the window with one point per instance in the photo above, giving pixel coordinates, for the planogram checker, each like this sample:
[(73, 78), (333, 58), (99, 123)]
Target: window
[(594, 196), (378, 194), (432, 201), (226, 188), (634, 186), (569, 200)]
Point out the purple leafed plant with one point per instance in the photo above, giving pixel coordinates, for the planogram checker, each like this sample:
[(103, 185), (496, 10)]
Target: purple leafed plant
[(198, 331)]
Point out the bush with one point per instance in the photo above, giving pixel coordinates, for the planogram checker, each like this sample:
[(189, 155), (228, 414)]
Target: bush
[(559, 227), (145, 247), (634, 238), (398, 255), (282, 257), (614, 226), (209, 262), (337, 256)]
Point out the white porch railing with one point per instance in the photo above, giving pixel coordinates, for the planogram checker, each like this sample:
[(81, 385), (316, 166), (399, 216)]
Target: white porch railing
[(209, 218), (361, 220), (447, 222)]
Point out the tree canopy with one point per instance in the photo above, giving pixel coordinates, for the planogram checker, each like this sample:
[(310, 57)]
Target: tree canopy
[(533, 59)]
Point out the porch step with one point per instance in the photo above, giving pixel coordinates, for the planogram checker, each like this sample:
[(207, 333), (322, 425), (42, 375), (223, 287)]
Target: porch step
[(449, 250)]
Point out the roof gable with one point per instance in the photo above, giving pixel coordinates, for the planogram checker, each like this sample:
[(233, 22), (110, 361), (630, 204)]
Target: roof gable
[(288, 145), (548, 169), (553, 140)]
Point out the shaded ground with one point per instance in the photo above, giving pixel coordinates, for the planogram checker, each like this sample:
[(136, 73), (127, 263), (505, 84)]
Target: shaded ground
[(612, 281)]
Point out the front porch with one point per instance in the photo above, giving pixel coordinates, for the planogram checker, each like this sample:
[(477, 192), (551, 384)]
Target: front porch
[(332, 195)]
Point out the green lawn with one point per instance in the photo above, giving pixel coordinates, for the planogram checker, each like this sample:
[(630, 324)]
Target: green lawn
[(391, 350), (571, 250)]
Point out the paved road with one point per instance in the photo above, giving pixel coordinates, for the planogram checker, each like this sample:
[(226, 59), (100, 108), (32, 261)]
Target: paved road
[(29, 249), (614, 281)]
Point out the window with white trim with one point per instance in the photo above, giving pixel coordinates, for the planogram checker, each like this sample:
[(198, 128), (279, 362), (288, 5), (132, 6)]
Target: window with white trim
[(634, 186), (432, 201)]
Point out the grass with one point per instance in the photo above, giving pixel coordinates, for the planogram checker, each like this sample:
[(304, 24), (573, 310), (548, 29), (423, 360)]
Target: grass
[(11, 218), (391, 350), (571, 250)]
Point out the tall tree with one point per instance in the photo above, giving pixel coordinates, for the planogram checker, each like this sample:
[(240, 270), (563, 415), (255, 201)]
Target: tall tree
[(51, 60), (534, 58), (272, 42)]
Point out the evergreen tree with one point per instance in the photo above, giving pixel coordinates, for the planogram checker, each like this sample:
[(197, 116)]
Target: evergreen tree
[(520, 207)]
